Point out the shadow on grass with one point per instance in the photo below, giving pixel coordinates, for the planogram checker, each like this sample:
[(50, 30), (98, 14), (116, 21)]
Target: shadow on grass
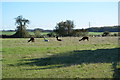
[(79, 57)]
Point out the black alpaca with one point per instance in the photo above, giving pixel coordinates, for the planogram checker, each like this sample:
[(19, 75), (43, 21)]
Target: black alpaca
[(58, 39), (84, 38), (31, 39)]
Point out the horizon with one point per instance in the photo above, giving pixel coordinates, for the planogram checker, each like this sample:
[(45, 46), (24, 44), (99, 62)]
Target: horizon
[(46, 15), (50, 29)]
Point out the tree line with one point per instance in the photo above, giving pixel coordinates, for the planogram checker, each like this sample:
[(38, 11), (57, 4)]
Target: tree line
[(103, 29), (63, 28)]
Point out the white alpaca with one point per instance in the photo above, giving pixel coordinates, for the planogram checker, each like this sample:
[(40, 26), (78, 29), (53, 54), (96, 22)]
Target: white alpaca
[(46, 40)]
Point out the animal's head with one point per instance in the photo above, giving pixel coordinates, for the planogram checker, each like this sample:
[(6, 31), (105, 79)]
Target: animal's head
[(56, 36)]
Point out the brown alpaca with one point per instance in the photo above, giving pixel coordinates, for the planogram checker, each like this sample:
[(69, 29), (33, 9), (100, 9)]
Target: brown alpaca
[(84, 38), (31, 39), (58, 39)]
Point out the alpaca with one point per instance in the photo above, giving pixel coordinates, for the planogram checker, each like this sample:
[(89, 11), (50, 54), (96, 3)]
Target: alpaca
[(84, 38), (31, 39), (58, 39), (45, 39)]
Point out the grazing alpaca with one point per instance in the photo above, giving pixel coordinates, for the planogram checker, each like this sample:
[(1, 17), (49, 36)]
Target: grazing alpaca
[(45, 39), (58, 39), (84, 38), (31, 39)]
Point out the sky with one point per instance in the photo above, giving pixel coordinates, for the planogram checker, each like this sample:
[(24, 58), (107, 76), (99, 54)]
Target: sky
[(46, 15)]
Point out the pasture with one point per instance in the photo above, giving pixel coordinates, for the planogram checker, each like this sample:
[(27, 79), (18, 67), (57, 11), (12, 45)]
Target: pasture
[(44, 33), (13, 32), (96, 58)]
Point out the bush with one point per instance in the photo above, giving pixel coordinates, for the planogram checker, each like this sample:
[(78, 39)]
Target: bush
[(37, 33), (52, 34), (106, 33)]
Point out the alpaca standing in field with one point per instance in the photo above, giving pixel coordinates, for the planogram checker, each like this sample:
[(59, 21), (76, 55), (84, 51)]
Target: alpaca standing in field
[(84, 38), (31, 39), (58, 39), (45, 40)]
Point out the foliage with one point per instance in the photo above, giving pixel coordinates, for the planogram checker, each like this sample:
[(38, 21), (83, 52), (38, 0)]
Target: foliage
[(118, 33), (106, 33), (21, 27), (115, 34), (41, 30), (80, 32), (51, 34), (37, 33), (103, 29), (64, 28)]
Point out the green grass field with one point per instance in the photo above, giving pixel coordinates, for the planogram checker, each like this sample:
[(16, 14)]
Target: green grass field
[(11, 33), (96, 58), (6, 33), (32, 33)]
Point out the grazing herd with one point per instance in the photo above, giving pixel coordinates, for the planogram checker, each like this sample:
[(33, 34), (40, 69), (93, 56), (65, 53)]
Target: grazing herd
[(46, 40)]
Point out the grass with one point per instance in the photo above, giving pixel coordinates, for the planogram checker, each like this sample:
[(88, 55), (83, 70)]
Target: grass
[(11, 33), (44, 33), (95, 33), (97, 58), (100, 33), (6, 33)]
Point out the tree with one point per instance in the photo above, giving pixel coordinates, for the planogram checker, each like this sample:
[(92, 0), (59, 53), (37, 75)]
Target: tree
[(64, 28), (21, 27), (69, 25), (80, 32), (106, 33), (60, 30), (51, 34), (37, 32)]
